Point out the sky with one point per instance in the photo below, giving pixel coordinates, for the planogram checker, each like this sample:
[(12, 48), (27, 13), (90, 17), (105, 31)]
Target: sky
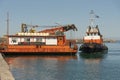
[(50, 12)]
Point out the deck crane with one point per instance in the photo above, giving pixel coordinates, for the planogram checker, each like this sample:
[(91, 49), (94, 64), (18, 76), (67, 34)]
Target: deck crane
[(58, 30), (24, 28)]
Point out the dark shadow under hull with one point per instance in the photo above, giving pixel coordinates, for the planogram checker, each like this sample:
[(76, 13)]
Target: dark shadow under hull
[(39, 53)]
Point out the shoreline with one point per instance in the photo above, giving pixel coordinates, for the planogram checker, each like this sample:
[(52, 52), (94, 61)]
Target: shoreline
[(79, 41), (5, 73)]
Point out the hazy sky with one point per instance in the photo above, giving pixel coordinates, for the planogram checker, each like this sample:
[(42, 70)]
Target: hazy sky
[(49, 12)]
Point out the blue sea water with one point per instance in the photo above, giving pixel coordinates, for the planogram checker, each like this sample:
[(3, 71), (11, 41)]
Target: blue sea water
[(97, 66)]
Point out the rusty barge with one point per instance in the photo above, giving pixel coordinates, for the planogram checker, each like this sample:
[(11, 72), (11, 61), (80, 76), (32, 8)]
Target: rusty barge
[(47, 41)]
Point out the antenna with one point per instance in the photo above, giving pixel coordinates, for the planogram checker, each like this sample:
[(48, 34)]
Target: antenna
[(7, 23), (92, 18)]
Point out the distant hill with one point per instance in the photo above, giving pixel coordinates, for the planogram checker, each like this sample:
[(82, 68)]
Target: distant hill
[(105, 40), (110, 40)]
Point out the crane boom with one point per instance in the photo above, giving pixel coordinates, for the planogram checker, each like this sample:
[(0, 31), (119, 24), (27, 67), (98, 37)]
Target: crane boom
[(61, 28)]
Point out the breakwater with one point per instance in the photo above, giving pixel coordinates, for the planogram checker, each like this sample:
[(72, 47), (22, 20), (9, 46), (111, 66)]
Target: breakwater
[(5, 73)]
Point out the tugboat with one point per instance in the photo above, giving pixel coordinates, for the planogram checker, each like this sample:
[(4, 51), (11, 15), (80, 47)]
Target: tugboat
[(93, 41)]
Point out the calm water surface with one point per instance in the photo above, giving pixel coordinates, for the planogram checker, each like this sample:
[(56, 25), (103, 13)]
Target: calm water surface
[(79, 67)]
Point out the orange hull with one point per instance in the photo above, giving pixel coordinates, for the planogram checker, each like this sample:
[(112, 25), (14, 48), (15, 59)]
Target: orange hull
[(26, 49)]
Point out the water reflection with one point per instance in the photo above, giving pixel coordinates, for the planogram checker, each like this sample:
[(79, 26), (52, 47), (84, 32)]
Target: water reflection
[(40, 67), (92, 64), (18, 60)]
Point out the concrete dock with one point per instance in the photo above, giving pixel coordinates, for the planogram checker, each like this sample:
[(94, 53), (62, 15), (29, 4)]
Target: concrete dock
[(5, 73)]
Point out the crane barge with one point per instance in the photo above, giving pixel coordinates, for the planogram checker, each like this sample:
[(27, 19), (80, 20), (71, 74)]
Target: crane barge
[(48, 41)]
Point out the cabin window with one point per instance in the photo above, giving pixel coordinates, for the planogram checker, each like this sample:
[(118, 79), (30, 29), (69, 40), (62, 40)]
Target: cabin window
[(39, 39), (27, 39), (14, 40)]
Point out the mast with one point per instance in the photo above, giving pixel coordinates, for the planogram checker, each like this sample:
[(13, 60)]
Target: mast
[(7, 23), (92, 18), (7, 33)]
